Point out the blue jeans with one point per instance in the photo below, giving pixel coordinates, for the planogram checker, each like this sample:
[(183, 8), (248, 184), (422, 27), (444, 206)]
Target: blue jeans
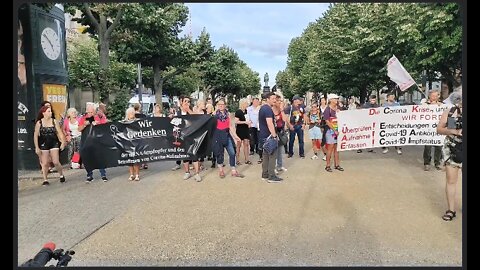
[(222, 140), (103, 173), (279, 157), (297, 129)]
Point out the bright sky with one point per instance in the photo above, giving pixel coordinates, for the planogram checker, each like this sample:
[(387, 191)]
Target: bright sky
[(259, 32)]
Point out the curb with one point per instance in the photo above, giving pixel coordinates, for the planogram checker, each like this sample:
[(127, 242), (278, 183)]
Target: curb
[(36, 175)]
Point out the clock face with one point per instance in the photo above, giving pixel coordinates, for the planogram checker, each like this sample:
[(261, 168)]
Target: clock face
[(50, 43)]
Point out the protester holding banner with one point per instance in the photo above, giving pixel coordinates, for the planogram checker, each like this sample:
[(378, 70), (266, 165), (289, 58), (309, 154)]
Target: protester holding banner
[(49, 140), (224, 138), (200, 108), (157, 112), (351, 104), (433, 99), (372, 103), (91, 118), (185, 109), (140, 115), (209, 109), (330, 116), (451, 125), (130, 115), (391, 103)]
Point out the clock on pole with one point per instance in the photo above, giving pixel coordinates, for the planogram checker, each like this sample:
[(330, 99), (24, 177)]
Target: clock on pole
[(50, 43)]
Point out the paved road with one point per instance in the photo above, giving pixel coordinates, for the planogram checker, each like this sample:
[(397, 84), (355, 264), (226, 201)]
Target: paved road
[(382, 210)]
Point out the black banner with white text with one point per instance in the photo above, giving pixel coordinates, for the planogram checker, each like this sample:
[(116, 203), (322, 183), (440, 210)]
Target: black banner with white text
[(146, 140)]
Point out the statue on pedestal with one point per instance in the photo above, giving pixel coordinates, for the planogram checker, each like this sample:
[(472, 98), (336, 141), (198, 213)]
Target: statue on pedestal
[(265, 79)]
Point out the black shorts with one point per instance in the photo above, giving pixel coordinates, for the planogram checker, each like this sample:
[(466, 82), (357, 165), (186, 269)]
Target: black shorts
[(48, 144)]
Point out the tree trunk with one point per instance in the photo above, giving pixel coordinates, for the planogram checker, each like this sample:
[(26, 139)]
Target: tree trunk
[(103, 49), (103, 42), (158, 83), (363, 95), (449, 76)]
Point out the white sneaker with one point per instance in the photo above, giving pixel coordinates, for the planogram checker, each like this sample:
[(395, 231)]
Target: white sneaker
[(314, 157), (197, 177), (177, 167), (399, 151), (186, 176), (276, 171), (324, 157), (283, 169), (385, 150)]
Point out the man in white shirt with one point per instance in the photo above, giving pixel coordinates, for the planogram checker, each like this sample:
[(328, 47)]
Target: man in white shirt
[(433, 99), (252, 114)]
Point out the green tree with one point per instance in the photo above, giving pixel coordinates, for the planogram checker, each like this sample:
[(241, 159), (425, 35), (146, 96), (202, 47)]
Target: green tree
[(346, 50), (221, 73), (83, 68), (101, 19), (150, 36), (116, 110)]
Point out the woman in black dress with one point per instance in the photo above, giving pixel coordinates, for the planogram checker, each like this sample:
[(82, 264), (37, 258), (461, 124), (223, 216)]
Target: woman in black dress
[(243, 126)]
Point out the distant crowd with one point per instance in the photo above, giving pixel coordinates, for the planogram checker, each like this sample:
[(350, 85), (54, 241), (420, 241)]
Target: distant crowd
[(265, 126)]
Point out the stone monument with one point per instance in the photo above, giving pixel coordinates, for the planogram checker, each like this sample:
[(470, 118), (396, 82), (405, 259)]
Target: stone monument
[(266, 88)]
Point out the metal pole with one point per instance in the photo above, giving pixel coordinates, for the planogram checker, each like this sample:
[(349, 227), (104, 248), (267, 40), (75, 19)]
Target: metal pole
[(140, 85)]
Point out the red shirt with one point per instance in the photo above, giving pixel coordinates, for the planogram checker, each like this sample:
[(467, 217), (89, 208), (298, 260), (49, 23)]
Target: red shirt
[(99, 120), (223, 125)]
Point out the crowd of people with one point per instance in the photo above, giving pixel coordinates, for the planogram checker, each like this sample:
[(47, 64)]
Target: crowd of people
[(266, 126)]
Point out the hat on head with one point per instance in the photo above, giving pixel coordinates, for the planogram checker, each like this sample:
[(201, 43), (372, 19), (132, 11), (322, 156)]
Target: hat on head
[(332, 96), (297, 97)]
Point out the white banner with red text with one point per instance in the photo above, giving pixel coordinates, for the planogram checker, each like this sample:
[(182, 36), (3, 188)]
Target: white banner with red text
[(389, 126)]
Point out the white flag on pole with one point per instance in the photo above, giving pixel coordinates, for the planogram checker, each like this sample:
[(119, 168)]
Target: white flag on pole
[(399, 74)]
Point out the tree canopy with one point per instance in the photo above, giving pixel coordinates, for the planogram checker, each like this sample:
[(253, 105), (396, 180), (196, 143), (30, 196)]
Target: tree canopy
[(346, 51)]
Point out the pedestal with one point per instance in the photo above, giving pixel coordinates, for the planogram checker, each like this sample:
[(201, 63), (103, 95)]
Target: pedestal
[(266, 89)]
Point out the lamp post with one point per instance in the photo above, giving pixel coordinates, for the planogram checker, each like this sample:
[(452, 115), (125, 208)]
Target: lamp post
[(140, 85)]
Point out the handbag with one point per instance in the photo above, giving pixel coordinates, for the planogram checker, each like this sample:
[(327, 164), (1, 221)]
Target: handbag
[(282, 137), (270, 145)]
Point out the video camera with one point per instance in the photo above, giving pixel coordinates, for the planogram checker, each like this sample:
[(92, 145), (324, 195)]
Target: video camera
[(454, 122), (47, 253)]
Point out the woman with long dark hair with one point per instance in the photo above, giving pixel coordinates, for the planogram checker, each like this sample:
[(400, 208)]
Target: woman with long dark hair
[(49, 140)]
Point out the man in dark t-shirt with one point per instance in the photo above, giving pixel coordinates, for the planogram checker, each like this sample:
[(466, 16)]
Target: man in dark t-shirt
[(266, 124), (296, 125)]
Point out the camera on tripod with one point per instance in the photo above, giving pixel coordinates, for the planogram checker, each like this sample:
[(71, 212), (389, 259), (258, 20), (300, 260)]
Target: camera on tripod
[(63, 257), (47, 253)]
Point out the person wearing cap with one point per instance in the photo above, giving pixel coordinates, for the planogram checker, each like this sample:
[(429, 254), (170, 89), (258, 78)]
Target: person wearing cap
[(450, 124), (391, 103), (296, 125), (331, 134)]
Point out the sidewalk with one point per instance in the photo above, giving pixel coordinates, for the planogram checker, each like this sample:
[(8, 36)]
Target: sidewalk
[(32, 178)]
